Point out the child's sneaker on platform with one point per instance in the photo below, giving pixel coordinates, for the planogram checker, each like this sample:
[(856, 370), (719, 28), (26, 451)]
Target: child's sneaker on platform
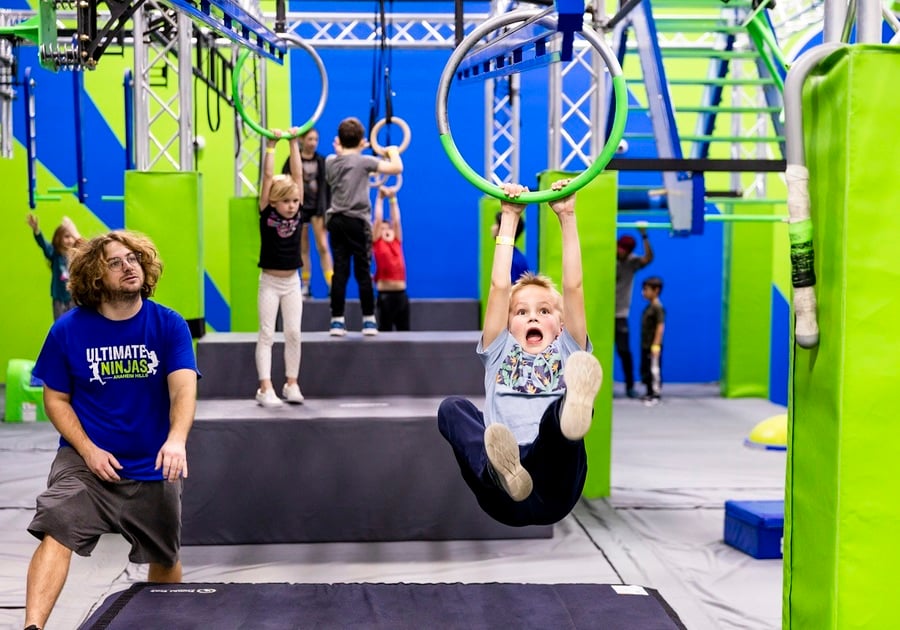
[(291, 393), (369, 327), (583, 376), (503, 455), (268, 398), (338, 329)]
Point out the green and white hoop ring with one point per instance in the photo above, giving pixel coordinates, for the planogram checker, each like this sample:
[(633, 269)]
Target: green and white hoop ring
[(296, 42), (599, 163)]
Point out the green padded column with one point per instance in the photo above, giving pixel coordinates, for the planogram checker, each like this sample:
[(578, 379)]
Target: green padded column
[(488, 208), (167, 208), (595, 206), (841, 513), (243, 239), (747, 303)]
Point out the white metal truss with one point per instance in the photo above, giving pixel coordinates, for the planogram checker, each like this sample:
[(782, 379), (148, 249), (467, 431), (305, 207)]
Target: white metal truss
[(7, 92), (248, 149), (502, 144), (163, 112), (358, 30), (248, 144)]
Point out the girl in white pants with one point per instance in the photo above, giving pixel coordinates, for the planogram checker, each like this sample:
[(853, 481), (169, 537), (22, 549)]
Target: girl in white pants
[(280, 198)]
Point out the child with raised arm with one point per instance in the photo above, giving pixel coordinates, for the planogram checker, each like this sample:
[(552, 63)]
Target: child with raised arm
[(390, 264), (524, 457), (65, 237), (280, 197), (348, 220)]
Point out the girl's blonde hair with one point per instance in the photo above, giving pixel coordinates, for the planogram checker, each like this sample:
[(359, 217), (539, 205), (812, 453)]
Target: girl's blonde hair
[(529, 279), (283, 187)]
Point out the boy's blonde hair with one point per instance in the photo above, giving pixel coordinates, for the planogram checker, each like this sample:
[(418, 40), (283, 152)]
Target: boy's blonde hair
[(529, 279), (283, 186)]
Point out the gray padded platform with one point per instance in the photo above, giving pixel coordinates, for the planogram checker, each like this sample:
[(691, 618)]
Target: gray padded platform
[(352, 469), (390, 364), (424, 314)]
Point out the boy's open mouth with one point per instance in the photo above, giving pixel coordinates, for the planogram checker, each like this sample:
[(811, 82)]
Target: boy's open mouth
[(534, 335)]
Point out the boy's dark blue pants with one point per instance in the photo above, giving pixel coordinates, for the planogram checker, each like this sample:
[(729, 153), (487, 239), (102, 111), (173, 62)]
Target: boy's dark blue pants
[(558, 466)]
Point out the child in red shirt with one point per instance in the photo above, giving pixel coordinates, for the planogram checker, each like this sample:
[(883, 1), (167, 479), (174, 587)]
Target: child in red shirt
[(390, 265)]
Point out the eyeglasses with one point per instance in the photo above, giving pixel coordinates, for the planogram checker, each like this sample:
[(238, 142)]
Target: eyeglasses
[(132, 260)]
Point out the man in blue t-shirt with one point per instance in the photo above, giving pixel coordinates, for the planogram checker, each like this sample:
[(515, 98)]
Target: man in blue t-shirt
[(120, 386)]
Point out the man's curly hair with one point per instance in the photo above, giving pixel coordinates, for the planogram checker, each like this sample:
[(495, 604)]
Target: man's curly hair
[(88, 265)]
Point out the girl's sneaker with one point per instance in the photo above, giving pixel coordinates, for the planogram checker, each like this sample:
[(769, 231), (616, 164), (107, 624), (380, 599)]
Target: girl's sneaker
[(291, 393), (268, 398)]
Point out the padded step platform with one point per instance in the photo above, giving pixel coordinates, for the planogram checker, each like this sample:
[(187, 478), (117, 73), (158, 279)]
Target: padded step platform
[(352, 469), (440, 363), (424, 314)]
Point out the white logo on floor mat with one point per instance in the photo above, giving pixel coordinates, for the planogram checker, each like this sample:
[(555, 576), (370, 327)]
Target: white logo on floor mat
[(204, 591)]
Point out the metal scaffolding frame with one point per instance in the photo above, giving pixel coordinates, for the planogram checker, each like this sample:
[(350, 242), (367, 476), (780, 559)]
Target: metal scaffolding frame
[(7, 91), (163, 118)]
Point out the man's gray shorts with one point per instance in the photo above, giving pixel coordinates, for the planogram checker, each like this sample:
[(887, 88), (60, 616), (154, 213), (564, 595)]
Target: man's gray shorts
[(77, 507)]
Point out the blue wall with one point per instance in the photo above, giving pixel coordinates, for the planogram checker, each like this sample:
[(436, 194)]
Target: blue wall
[(440, 209)]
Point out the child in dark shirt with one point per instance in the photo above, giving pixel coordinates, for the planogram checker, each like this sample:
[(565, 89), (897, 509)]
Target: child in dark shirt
[(653, 325)]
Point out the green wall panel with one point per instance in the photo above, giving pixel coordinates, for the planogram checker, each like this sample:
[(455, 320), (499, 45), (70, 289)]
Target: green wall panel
[(595, 207), (166, 207), (841, 510), (747, 304), (243, 238)]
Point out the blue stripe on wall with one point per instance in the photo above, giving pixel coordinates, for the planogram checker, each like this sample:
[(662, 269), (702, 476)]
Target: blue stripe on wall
[(217, 312), (780, 350)]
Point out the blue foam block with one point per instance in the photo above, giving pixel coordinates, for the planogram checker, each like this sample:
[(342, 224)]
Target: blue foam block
[(755, 527)]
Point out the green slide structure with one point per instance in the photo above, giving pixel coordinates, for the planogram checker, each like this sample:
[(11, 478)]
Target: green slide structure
[(595, 206), (841, 512), (167, 207)]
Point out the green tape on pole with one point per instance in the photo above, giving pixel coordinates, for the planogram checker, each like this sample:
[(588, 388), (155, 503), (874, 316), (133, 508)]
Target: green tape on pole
[(243, 233), (840, 551), (595, 207), (167, 208), (747, 306)]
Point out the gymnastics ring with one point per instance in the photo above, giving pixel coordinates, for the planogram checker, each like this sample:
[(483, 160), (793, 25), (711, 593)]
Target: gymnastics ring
[(373, 135), (378, 179), (599, 163), (297, 42)]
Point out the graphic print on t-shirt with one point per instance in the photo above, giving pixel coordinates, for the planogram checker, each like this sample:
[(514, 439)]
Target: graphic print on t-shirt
[(540, 373), (283, 227), (118, 362)]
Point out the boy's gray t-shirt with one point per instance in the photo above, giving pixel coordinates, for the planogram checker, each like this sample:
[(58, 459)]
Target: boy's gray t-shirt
[(519, 386), (625, 270), (348, 177)]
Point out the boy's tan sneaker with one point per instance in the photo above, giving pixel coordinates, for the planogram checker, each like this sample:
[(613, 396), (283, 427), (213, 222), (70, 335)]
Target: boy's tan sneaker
[(503, 455), (583, 376)]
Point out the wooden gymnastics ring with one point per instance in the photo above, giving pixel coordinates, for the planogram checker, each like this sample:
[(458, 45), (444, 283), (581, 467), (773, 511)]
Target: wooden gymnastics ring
[(377, 179), (395, 120), (296, 42)]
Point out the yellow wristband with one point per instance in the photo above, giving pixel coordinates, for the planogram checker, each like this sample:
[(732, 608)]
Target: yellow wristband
[(270, 149), (393, 201), (506, 240), (656, 346)]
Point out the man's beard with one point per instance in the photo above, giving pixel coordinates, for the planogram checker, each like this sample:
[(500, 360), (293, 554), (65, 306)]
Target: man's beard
[(119, 296)]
